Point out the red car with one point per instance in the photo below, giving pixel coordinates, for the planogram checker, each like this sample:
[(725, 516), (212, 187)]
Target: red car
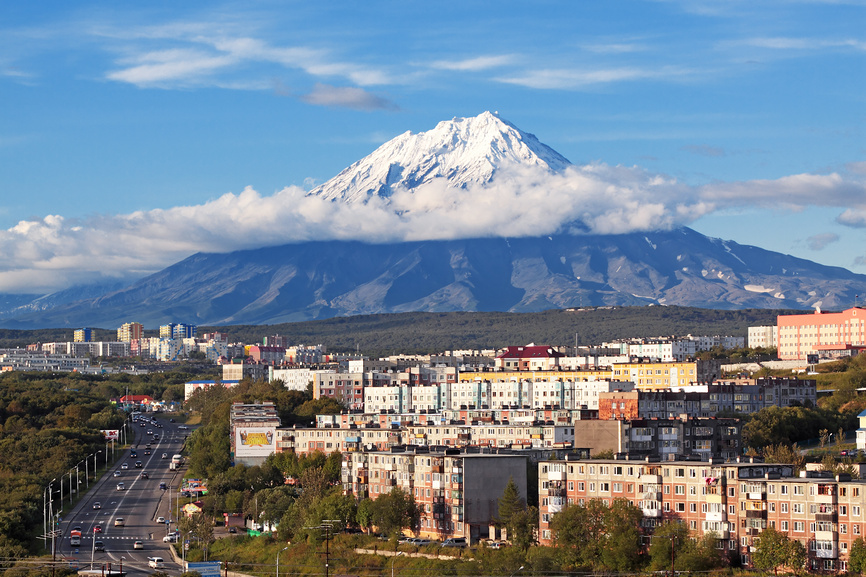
[(97, 528)]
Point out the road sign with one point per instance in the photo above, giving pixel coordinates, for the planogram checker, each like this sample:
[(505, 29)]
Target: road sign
[(206, 569)]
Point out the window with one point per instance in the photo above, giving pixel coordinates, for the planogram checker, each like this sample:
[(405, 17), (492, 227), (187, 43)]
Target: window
[(799, 526), (784, 507)]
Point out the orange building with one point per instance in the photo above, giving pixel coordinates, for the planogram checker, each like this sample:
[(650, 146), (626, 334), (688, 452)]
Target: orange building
[(820, 333)]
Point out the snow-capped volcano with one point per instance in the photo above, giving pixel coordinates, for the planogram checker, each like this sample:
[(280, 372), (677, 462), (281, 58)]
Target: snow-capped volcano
[(463, 150)]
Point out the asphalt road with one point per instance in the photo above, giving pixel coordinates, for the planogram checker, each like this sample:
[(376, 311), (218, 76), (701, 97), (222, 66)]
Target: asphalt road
[(138, 504)]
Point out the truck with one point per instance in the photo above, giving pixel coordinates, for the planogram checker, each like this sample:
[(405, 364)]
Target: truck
[(75, 537), (176, 462)]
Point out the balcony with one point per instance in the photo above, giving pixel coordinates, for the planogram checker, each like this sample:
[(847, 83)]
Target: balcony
[(654, 513), (756, 514), (556, 476), (651, 479), (827, 517), (716, 516)]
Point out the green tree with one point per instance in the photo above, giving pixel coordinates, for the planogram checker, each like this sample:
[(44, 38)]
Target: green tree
[(857, 556), (522, 528), (510, 502), (774, 550), (598, 536), (395, 511), (785, 454)]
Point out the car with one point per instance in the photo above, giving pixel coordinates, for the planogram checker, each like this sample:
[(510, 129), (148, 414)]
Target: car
[(117, 473), (182, 427), (155, 562), (144, 475), (171, 420), (149, 432), (458, 542), (164, 456), (156, 437), (118, 522), (233, 529), (133, 453), (497, 544), (160, 520), (170, 538), (138, 545), (97, 505), (98, 546), (163, 486), (97, 528), (138, 464), (120, 487), (418, 542), (141, 424), (124, 466)]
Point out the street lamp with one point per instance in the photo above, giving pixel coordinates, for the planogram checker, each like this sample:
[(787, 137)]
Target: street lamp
[(278, 560), (47, 513), (519, 569), (394, 561)]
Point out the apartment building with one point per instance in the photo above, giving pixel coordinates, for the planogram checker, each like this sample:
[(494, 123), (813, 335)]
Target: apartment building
[(348, 388), (821, 333), (457, 492), (733, 501), (763, 337), (130, 332), (528, 358), (743, 396), (253, 432)]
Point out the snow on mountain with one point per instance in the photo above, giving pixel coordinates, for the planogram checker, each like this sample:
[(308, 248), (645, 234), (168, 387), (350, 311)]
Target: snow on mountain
[(463, 150)]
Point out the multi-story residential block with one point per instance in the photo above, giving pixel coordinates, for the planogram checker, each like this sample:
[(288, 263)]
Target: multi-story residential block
[(528, 358), (820, 333), (763, 337), (238, 369), (456, 492), (742, 396), (734, 502), (253, 432), (296, 378), (129, 332), (348, 388), (267, 354), (82, 335), (191, 387)]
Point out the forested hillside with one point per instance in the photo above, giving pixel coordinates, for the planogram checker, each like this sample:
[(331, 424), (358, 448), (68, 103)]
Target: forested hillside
[(432, 332)]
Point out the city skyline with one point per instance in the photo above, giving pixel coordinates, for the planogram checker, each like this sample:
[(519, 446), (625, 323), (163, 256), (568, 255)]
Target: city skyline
[(142, 135)]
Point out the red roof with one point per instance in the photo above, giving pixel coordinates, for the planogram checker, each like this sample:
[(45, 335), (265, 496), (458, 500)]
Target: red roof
[(141, 399), (530, 352)]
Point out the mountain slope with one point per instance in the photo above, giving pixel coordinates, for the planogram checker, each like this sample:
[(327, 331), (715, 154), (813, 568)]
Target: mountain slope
[(463, 150), (318, 280)]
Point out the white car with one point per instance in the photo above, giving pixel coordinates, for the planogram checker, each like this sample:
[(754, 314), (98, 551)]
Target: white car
[(124, 466), (170, 538), (160, 520), (155, 562)]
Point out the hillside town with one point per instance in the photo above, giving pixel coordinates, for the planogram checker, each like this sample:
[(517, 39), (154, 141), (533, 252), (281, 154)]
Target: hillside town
[(644, 420)]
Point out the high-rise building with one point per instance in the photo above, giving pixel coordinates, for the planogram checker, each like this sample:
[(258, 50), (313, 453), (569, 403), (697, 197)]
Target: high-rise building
[(129, 332), (82, 336)]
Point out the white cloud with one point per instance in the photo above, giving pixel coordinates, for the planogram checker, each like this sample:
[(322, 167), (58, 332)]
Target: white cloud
[(820, 241), (347, 97), (54, 252), (473, 64), (570, 79)]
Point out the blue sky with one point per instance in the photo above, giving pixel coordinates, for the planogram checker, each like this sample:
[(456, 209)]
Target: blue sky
[(135, 135)]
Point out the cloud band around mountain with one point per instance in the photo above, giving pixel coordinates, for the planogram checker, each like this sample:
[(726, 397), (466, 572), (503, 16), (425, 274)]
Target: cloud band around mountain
[(53, 253)]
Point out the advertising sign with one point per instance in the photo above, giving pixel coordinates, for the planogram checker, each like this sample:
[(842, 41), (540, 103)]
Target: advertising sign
[(110, 434), (255, 441)]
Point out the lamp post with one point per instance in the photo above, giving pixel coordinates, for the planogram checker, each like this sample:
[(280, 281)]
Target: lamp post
[(394, 562), (519, 569), (47, 513), (278, 560)]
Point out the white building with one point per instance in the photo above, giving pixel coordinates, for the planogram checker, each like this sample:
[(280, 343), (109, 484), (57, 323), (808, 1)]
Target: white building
[(764, 337)]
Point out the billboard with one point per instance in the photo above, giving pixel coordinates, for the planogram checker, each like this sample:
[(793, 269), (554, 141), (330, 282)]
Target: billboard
[(255, 441), (110, 434)]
